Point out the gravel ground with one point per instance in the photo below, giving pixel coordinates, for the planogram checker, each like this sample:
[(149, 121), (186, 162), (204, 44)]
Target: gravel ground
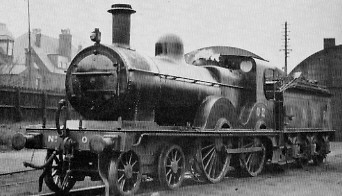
[(324, 180)]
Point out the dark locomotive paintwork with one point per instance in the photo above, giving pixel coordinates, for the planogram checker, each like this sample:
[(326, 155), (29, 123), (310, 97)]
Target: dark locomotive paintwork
[(204, 112), (307, 107), (162, 89)]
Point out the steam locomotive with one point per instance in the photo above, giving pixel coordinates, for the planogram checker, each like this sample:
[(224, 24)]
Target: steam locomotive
[(205, 112)]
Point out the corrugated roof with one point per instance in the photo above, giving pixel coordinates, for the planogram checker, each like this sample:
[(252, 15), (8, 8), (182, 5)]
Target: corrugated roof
[(313, 56)]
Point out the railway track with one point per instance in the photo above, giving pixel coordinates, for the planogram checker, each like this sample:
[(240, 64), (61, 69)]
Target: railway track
[(88, 191), (16, 172), (149, 188)]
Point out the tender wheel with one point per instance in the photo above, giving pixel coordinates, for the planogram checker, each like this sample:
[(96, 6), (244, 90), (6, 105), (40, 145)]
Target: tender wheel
[(303, 160), (252, 163), (56, 177), (124, 175), (320, 154), (212, 159), (171, 167), (318, 159)]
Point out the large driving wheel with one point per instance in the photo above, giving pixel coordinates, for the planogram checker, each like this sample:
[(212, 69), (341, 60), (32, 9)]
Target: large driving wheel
[(252, 163), (171, 167), (124, 175), (212, 159), (57, 177)]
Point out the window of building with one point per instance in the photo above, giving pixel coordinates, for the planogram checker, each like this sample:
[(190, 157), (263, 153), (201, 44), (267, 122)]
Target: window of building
[(38, 82)]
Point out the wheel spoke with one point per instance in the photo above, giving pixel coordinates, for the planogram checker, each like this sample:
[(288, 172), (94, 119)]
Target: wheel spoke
[(169, 172), (130, 159), (122, 184), (179, 162), (249, 158), (135, 162), (210, 152), (208, 146), (213, 166), (249, 163), (175, 157), (122, 176), (208, 162), (169, 178)]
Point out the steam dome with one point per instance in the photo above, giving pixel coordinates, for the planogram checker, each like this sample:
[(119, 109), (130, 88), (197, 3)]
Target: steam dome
[(170, 45)]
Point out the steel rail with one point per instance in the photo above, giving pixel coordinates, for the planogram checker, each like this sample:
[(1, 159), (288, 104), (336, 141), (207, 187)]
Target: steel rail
[(17, 172), (87, 191)]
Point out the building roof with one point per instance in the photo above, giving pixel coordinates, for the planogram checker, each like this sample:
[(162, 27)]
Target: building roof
[(12, 69), (315, 55), (5, 34), (43, 56), (48, 45)]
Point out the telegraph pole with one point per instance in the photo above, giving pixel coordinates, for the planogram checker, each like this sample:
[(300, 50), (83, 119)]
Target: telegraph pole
[(286, 48), (29, 45)]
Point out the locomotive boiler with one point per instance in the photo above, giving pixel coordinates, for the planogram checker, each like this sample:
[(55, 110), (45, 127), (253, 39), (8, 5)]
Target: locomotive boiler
[(204, 112)]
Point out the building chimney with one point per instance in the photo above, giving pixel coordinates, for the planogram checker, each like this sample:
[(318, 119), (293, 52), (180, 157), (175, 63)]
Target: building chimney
[(64, 48), (329, 42), (38, 37), (121, 23)]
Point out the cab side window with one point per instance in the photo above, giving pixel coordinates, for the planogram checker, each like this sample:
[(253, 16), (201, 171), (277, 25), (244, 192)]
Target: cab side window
[(270, 83)]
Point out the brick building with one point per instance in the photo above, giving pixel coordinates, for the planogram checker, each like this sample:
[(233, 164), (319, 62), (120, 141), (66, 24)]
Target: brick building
[(50, 58), (325, 67)]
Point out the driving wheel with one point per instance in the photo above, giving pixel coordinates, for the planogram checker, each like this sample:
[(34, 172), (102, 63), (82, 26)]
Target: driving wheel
[(212, 159), (252, 163)]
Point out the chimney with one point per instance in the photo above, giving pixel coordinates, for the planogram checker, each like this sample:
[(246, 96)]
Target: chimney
[(38, 37), (329, 42), (121, 23), (64, 48)]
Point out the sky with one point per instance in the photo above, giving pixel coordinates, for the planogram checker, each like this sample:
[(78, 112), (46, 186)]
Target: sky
[(254, 25)]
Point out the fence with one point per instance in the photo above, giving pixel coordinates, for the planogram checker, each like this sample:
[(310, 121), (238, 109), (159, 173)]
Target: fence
[(21, 104)]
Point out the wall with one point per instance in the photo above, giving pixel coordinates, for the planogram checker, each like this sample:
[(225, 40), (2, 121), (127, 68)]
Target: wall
[(21, 104)]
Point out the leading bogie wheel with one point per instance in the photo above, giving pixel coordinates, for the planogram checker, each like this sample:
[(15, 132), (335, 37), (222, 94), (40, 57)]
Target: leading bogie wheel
[(124, 175), (252, 163), (56, 177), (171, 166)]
